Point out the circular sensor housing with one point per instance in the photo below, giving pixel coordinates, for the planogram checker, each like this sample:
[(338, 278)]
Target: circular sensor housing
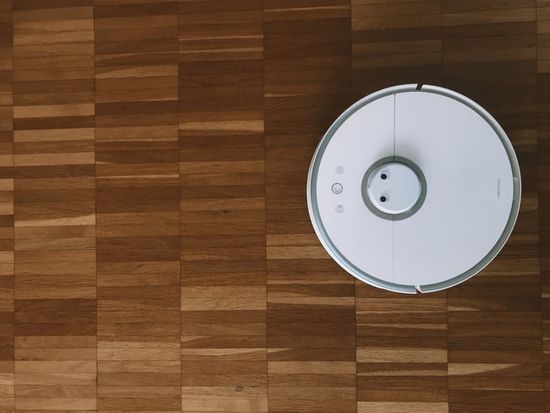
[(394, 188)]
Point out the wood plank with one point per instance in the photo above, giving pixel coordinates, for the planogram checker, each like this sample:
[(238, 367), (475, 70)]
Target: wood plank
[(7, 279), (137, 201), (222, 206), (543, 151), (311, 306), (55, 286), (490, 56), (395, 42)]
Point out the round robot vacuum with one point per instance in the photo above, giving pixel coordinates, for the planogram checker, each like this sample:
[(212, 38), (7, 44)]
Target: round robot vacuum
[(414, 188)]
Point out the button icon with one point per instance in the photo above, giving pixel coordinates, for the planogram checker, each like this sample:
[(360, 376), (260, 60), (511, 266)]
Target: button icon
[(339, 208), (339, 169), (337, 188)]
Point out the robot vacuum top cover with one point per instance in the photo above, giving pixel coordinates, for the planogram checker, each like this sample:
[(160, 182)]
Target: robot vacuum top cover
[(414, 188)]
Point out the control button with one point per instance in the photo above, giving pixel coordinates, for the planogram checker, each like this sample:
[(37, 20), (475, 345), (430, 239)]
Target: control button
[(339, 208), (337, 188), (339, 169)]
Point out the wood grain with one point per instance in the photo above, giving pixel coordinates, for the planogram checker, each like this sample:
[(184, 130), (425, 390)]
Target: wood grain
[(7, 259), (311, 320), (53, 155), (489, 53), (543, 129), (156, 253), (222, 206), (137, 206)]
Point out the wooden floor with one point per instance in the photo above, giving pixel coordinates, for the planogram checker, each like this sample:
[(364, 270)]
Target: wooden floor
[(155, 249)]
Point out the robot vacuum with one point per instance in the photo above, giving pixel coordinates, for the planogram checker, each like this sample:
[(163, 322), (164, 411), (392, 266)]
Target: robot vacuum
[(414, 189)]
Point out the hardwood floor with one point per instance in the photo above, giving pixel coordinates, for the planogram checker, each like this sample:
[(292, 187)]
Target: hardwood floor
[(156, 253)]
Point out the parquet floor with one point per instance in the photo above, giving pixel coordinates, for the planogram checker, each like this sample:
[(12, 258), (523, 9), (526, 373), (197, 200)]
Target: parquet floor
[(155, 249)]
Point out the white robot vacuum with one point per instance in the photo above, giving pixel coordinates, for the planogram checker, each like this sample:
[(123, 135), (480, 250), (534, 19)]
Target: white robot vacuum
[(414, 188)]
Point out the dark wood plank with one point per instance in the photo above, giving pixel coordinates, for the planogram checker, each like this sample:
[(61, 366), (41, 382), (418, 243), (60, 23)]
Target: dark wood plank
[(55, 280), (311, 305), (543, 149), (7, 281), (489, 53), (222, 206), (137, 200), (395, 42)]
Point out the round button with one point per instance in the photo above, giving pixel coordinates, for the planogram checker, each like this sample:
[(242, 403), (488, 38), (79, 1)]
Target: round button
[(337, 188)]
